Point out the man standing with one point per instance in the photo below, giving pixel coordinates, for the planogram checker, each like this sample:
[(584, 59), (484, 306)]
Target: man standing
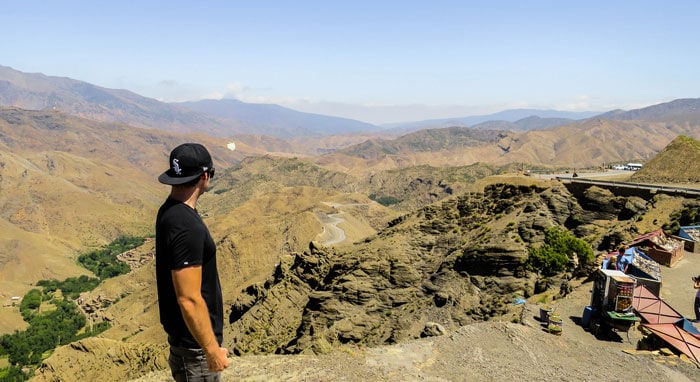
[(696, 305), (189, 292)]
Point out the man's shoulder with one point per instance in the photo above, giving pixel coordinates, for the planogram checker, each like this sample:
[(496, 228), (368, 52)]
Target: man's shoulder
[(181, 218), (174, 209)]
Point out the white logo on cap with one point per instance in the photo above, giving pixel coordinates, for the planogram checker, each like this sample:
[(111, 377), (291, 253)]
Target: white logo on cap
[(176, 166)]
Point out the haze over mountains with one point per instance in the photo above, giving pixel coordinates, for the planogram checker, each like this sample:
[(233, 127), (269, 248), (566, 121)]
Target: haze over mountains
[(527, 136), (36, 91)]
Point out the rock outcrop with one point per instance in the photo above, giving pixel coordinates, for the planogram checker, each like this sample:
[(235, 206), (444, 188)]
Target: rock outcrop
[(93, 359), (441, 267), (449, 264)]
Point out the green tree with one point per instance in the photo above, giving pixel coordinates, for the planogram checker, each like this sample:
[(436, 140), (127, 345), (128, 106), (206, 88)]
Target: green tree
[(13, 374), (557, 252), (30, 304)]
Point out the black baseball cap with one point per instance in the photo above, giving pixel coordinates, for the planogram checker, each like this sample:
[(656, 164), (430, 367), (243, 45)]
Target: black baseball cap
[(187, 162)]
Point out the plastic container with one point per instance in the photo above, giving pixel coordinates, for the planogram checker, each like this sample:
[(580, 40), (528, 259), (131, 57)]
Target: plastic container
[(556, 324), (586, 317), (545, 311)]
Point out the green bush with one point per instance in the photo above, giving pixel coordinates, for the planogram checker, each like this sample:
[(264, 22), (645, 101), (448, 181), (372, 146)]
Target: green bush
[(14, 374), (556, 253), (385, 200), (30, 304), (46, 331)]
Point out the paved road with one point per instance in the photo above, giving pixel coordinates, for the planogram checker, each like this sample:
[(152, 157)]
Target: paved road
[(603, 174), (331, 234), (677, 286), (652, 187)]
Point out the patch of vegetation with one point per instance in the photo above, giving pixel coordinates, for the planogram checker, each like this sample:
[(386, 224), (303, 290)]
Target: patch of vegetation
[(72, 287), (104, 263), (46, 331), (14, 374), (688, 216), (557, 252), (62, 325), (385, 200), (30, 304)]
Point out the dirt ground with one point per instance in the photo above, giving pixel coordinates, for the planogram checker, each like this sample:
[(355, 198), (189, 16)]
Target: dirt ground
[(496, 351)]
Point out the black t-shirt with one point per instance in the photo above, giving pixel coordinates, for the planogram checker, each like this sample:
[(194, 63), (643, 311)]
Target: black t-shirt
[(182, 240)]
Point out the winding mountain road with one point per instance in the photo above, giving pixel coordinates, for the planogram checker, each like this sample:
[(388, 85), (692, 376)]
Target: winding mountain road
[(331, 234)]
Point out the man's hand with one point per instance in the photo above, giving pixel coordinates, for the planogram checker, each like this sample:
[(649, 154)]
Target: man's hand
[(217, 360)]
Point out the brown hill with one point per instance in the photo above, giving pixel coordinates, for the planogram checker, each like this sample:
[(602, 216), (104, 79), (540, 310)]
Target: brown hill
[(587, 144), (70, 185), (36, 91), (677, 163)]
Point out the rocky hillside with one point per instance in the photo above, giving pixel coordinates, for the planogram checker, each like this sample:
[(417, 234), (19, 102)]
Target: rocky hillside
[(450, 264), (586, 144), (677, 163)]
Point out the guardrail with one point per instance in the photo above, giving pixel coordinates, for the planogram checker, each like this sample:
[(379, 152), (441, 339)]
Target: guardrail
[(642, 186)]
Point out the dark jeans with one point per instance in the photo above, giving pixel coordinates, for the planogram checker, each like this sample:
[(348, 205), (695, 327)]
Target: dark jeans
[(190, 365), (697, 308)]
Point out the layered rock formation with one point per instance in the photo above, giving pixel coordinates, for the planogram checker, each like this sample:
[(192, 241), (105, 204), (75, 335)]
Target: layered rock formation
[(93, 359), (449, 264)]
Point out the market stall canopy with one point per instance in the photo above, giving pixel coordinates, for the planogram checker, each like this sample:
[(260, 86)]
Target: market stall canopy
[(685, 342), (690, 232), (653, 309), (669, 325)]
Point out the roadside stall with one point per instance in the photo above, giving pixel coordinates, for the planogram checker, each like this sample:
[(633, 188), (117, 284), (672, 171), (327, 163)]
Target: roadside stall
[(611, 306), (659, 246), (642, 268), (691, 238)]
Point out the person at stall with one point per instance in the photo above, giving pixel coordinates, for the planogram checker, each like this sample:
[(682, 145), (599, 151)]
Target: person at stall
[(623, 261), (696, 306)]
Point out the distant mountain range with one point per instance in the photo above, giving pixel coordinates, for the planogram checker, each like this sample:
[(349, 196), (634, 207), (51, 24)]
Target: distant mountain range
[(275, 120), (680, 110), (223, 118), (506, 120), (226, 118), (35, 91)]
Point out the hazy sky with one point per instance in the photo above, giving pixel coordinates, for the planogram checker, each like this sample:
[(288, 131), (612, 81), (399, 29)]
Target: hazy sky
[(376, 61)]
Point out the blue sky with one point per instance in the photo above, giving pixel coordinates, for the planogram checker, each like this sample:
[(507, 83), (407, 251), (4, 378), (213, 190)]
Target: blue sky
[(376, 61)]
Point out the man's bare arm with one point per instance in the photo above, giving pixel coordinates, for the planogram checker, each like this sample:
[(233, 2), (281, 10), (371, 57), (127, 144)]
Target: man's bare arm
[(188, 283)]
